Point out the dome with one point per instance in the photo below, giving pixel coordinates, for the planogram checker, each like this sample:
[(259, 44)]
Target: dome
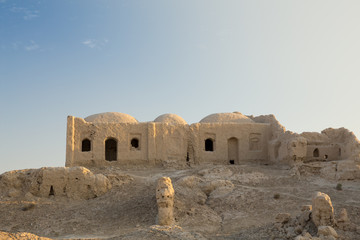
[(170, 118), (111, 117), (234, 117)]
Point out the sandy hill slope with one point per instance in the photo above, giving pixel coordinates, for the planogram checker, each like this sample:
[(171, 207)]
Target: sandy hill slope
[(211, 202)]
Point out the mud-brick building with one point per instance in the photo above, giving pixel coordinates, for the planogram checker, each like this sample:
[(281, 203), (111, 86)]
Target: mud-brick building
[(118, 139)]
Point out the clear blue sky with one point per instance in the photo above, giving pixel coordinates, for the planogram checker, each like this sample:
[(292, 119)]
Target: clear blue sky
[(299, 60)]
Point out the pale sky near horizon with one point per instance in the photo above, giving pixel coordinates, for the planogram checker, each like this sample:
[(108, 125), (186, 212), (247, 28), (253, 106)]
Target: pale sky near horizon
[(298, 60)]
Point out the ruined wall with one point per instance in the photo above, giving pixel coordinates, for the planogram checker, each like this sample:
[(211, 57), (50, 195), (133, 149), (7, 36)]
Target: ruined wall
[(73, 182), (350, 144), (283, 146), (331, 144), (276, 129), (70, 135), (324, 152), (287, 148), (231, 141)]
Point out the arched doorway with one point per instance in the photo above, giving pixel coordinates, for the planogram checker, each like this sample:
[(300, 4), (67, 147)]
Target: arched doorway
[(111, 150), (316, 152), (233, 151)]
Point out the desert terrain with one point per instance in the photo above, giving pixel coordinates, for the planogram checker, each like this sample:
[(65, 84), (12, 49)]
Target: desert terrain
[(211, 202)]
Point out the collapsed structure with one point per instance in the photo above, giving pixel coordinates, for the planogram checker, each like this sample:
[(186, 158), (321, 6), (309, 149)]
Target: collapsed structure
[(117, 139), (316, 221)]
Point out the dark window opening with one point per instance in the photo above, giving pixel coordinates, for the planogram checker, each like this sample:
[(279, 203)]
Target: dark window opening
[(232, 162), (187, 157), (316, 152), (209, 145), (111, 150), (52, 192), (86, 145), (135, 143), (326, 157)]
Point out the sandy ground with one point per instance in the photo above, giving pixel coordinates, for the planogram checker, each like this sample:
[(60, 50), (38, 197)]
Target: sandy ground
[(243, 207)]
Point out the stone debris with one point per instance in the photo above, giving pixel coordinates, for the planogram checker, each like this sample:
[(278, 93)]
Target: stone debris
[(288, 227), (327, 231), (324, 233), (283, 218), (315, 222), (343, 218), (343, 222), (306, 236), (306, 208)]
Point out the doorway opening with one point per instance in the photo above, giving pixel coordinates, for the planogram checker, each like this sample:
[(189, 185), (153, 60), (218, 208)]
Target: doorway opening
[(316, 152), (233, 150), (111, 150)]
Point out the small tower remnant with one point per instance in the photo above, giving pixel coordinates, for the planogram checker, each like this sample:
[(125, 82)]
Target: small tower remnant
[(322, 210), (165, 201)]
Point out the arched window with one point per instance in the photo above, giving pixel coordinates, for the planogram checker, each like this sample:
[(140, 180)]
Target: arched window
[(209, 145), (86, 145), (111, 149), (135, 143), (316, 152)]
